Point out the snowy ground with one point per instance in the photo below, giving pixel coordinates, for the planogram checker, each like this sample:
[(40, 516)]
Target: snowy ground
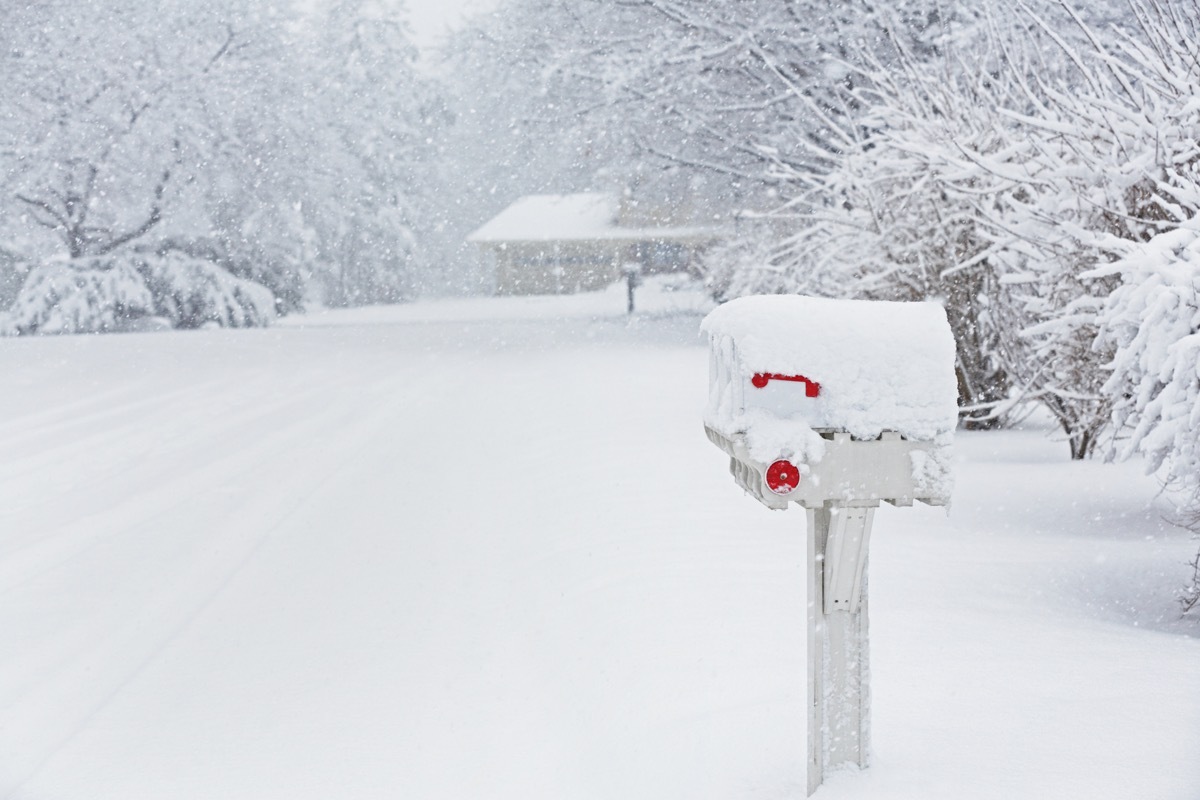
[(482, 549)]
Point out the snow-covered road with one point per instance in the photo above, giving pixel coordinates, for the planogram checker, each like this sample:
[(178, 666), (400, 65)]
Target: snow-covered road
[(483, 549)]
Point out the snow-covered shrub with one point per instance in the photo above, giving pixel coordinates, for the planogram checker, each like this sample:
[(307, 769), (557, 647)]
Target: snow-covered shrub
[(96, 295), (192, 292), (1058, 360), (256, 262), (63, 296), (12, 275), (1153, 321)]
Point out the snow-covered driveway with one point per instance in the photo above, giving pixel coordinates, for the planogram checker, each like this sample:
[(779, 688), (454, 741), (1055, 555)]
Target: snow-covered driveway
[(483, 550)]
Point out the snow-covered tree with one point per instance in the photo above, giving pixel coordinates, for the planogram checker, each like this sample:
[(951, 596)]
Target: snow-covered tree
[(731, 89), (1153, 320), (937, 189), (123, 123), (895, 214), (372, 173), (693, 107), (1097, 159), (281, 150), (1132, 130)]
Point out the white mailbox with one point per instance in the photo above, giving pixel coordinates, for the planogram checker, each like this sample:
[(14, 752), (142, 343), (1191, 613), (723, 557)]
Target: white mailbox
[(819, 400), (834, 405)]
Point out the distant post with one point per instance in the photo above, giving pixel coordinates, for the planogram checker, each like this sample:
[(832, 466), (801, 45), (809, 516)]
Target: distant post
[(835, 405), (633, 279)]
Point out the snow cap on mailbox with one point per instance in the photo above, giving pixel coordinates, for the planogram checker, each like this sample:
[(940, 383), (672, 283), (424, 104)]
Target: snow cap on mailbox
[(863, 367)]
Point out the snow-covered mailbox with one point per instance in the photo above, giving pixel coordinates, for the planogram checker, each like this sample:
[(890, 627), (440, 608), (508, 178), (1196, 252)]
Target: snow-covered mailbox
[(835, 405)]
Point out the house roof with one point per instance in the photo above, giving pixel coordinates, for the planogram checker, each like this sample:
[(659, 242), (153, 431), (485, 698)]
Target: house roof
[(586, 216)]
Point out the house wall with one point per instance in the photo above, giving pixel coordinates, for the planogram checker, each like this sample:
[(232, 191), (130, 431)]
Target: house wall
[(581, 266), (558, 268)]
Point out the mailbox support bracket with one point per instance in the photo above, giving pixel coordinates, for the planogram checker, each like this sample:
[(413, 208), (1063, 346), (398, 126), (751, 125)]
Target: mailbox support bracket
[(838, 658), (849, 534)]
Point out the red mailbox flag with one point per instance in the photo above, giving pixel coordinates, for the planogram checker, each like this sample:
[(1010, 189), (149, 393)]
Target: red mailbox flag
[(811, 387)]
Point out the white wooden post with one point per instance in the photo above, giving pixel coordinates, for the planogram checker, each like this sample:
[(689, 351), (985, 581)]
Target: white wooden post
[(838, 646)]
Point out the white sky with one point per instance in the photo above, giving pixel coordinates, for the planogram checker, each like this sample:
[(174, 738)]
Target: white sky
[(432, 18)]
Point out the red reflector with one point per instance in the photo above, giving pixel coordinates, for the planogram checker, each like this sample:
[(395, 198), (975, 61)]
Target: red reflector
[(782, 477)]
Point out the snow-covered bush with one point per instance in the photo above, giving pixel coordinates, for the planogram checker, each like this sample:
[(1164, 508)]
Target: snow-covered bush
[(262, 262), (97, 295), (192, 292), (1121, 144), (67, 297), (1153, 322), (12, 276)]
